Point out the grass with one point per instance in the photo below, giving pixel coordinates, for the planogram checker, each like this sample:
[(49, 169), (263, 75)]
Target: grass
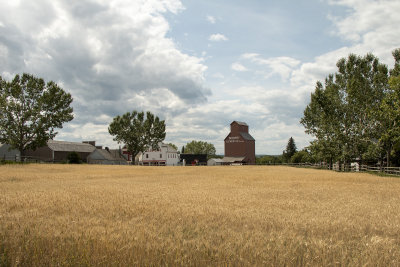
[(199, 216)]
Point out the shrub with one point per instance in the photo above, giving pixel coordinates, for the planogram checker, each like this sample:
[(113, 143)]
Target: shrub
[(74, 158)]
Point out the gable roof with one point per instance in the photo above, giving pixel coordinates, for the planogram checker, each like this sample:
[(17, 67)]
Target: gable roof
[(170, 149), (104, 154), (240, 123), (233, 159), (69, 146), (216, 160), (247, 136), (117, 153)]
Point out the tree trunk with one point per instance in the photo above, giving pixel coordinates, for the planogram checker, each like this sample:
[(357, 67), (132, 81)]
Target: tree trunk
[(21, 154)]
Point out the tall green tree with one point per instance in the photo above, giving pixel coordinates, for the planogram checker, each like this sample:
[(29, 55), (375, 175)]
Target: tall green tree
[(290, 150), (389, 139), (344, 115), (31, 110), (138, 131), (200, 147)]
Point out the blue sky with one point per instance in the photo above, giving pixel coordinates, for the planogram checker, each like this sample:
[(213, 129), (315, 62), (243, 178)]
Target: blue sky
[(197, 64)]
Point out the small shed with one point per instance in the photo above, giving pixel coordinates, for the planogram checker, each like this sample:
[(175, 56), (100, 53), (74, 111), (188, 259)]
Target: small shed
[(215, 162)]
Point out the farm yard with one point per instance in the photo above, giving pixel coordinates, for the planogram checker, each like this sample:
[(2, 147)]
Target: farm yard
[(237, 215)]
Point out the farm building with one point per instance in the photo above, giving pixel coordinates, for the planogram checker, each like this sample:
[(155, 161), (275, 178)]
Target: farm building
[(239, 145), (8, 154), (165, 155), (107, 157), (215, 162), (193, 159), (57, 151)]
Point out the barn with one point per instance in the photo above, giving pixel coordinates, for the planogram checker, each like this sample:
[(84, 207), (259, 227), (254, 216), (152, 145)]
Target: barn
[(239, 145), (57, 151)]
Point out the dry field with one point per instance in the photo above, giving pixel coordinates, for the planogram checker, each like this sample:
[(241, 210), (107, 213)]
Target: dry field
[(198, 216)]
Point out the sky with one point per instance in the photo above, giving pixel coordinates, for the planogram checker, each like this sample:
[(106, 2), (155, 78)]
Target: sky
[(198, 65)]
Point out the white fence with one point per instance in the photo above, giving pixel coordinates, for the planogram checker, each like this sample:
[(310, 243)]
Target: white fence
[(388, 170), (350, 168)]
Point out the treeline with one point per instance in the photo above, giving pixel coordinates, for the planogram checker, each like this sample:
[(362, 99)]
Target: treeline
[(289, 155), (355, 114)]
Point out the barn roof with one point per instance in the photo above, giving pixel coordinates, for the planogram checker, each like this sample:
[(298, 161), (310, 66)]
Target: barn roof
[(69, 146), (216, 160), (105, 154), (233, 159), (117, 153), (247, 136), (240, 123)]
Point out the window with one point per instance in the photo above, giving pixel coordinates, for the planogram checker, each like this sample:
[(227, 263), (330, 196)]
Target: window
[(160, 156), (147, 156)]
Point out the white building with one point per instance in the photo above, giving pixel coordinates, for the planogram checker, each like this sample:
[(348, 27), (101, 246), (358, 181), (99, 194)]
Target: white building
[(215, 162), (164, 156)]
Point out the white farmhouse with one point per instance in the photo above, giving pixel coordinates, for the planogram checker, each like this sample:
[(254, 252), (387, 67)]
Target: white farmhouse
[(166, 155)]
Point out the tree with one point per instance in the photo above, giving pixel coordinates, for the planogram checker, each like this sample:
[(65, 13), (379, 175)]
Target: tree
[(389, 138), (138, 132), (344, 115), (302, 156), (267, 159), (290, 149), (183, 149), (74, 158), (200, 147), (31, 111)]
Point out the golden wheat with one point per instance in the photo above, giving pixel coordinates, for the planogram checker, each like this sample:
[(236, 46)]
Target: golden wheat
[(124, 215)]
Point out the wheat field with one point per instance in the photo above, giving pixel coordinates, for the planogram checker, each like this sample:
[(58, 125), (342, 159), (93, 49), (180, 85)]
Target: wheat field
[(85, 215)]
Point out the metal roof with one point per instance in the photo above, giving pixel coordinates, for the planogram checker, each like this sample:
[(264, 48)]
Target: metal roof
[(217, 160), (69, 146), (117, 153), (233, 159), (247, 136), (105, 154), (170, 148), (240, 123)]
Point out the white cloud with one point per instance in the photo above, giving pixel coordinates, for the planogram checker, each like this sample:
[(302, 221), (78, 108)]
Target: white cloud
[(211, 19), (283, 66), (365, 17), (217, 37), (238, 67)]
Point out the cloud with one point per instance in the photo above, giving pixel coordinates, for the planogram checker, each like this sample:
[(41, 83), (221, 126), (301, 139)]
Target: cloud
[(211, 19), (238, 67), (100, 50), (367, 18), (282, 66), (217, 37)]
